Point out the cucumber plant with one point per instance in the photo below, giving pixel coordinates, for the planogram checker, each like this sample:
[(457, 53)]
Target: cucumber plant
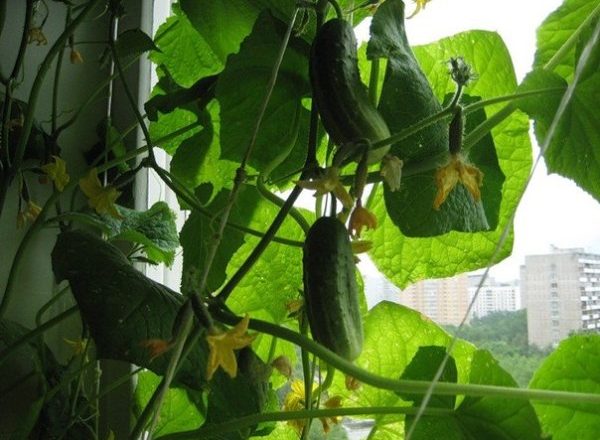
[(256, 99)]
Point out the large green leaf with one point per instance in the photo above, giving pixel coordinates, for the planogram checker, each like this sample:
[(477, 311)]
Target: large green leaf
[(248, 393), (196, 160), (573, 366), (496, 417), (393, 335), (154, 229), (424, 366), (183, 52), (121, 306), (134, 42), (405, 260), (573, 149), (241, 91), (558, 28), (201, 91), (197, 238), (196, 152), (178, 412), (476, 417), (166, 120), (223, 25), (276, 278)]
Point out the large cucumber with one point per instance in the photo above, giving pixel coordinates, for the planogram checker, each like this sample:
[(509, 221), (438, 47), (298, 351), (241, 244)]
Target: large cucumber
[(330, 290), (342, 99)]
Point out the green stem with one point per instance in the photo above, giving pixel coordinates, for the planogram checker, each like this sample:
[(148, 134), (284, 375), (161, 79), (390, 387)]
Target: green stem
[(410, 169), (512, 97), (268, 195), (272, 348), (406, 386), (79, 382), (329, 375), (24, 37), (485, 127), (308, 373), (12, 274), (214, 430), (35, 332), (45, 307), (374, 80), (337, 8), (415, 128), (260, 246), (372, 432), (56, 84)]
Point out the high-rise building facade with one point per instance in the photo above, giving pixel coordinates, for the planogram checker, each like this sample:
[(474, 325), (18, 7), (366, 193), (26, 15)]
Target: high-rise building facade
[(561, 292), (493, 296), (444, 300)]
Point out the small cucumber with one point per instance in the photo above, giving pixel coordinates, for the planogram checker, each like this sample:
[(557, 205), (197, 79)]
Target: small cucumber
[(342, 99), (330, 291)]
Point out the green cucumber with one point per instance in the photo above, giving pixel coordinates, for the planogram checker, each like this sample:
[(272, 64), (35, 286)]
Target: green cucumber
[(347, 112), (330, 291)]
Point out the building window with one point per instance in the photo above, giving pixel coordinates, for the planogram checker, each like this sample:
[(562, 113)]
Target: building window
[(555, 323)]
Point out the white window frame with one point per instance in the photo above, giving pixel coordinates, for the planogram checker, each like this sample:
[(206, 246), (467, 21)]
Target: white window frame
[(149, 188)]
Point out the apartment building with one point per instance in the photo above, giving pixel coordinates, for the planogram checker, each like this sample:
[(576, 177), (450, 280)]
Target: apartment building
[(493, 296), (443, 300), (561, 292)]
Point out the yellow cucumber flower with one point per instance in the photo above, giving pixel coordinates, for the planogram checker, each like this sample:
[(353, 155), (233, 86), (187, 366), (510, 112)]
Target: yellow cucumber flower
[(156, 347), (28, 214), (420, 4), (294, 306), (361, 218), (332, 402), (454, 172), (352, 383), (57, 172), (101, 198), (77, 345), (329, 182), (36, 35), (223, 344), (294, 401), (75, 57)]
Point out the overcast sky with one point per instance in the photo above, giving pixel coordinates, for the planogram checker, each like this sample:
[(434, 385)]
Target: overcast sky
[(554, 211)]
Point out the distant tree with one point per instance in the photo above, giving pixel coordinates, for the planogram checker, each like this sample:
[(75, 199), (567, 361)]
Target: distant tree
[(504, 334)]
